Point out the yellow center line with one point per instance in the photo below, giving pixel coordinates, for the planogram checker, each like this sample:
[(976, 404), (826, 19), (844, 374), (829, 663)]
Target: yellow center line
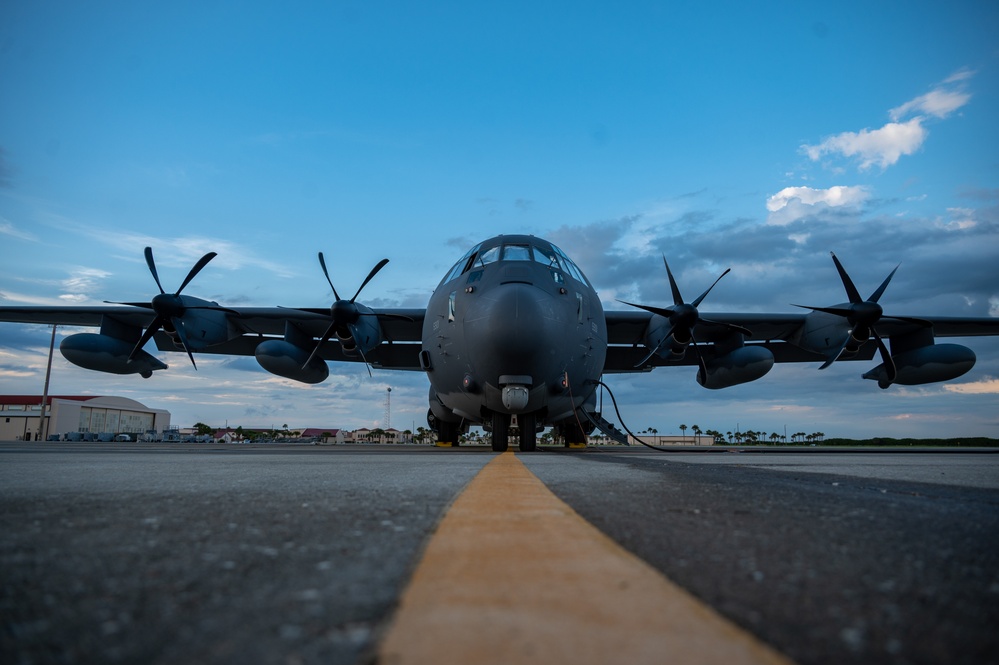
[(514, 575)]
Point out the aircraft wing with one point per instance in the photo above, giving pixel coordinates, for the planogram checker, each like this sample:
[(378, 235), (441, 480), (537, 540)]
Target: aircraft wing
[(247, 327), (75, 316), (401, 330), (780, 333)]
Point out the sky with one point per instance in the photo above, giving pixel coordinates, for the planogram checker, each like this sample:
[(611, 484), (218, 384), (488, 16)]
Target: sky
[(752, 136)]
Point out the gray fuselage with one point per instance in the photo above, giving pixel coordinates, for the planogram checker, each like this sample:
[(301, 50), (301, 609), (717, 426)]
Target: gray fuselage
[(513, 329)]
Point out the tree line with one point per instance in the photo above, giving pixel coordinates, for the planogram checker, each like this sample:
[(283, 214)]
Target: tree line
[(747, 437)]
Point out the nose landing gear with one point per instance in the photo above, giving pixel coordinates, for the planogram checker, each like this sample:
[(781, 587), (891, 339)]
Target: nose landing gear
[(526, 428)]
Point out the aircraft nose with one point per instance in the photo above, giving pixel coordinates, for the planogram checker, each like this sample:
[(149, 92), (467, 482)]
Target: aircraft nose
[(517, 327)]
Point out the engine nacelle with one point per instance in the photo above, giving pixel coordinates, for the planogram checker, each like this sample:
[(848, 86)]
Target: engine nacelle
[(741, 365), (103, 353), (927, 364), (285, 359)]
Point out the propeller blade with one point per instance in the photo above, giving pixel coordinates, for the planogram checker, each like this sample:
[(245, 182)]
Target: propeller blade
[(698, 301), (322, 262), (322, 340), (374, 271), (667, 313), (838, 311), (367, 365), (702, 365), (152, 267), (851, 290), (677, 298), (655, 350), (884, 285), (182, 336), (889, 362), (146, 336), (831, 358), (202, 262)]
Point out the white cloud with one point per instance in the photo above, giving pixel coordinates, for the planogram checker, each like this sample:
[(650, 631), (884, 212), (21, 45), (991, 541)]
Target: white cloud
[(960, 219), (884, 146), (986, 386), (183, 252), (948, 96), (793, 203), (7, 297), (839, 195), (81, 283), (938, 103), (8, 229), (874, 146)]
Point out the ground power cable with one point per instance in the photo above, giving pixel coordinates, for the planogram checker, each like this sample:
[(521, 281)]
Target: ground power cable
[(610, 393)]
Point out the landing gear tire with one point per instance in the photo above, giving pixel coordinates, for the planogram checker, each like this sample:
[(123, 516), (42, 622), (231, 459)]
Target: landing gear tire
[(528, 432), (501, 432), (574, 434), (448, 433)]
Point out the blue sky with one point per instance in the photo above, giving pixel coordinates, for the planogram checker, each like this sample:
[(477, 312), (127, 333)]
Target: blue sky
[(756, 137)]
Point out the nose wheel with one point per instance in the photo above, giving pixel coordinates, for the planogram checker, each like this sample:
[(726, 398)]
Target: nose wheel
[(527, 424), (501, 432)]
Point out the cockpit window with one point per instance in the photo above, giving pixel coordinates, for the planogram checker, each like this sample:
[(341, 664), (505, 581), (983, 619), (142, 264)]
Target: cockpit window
[(569, 266), (516, 253), (491, 255), (549, 255), (463, 264), (546, 257)]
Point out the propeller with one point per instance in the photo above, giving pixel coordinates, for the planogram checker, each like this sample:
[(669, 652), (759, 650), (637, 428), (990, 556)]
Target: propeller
[(169, 307), (683, 317), (862, 316), (344, 314)]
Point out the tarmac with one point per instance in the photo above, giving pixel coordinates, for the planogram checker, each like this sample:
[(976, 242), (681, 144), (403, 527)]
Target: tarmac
[(166, 553)]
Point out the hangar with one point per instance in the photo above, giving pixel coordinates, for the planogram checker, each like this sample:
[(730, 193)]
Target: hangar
[(20, 416)]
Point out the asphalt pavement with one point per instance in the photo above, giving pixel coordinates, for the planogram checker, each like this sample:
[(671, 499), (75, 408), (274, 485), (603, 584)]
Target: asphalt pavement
[(163, 553)]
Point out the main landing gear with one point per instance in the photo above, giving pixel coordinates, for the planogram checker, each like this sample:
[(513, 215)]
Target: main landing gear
[(447, 433)]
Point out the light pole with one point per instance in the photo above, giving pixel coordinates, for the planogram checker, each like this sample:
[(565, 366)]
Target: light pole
[(43, 422)]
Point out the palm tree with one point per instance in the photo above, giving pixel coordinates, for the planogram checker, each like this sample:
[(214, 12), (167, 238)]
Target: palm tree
[(683, 428), (696, 430)]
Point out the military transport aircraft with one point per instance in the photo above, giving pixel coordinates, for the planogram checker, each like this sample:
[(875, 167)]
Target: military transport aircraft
[(514, 339)]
